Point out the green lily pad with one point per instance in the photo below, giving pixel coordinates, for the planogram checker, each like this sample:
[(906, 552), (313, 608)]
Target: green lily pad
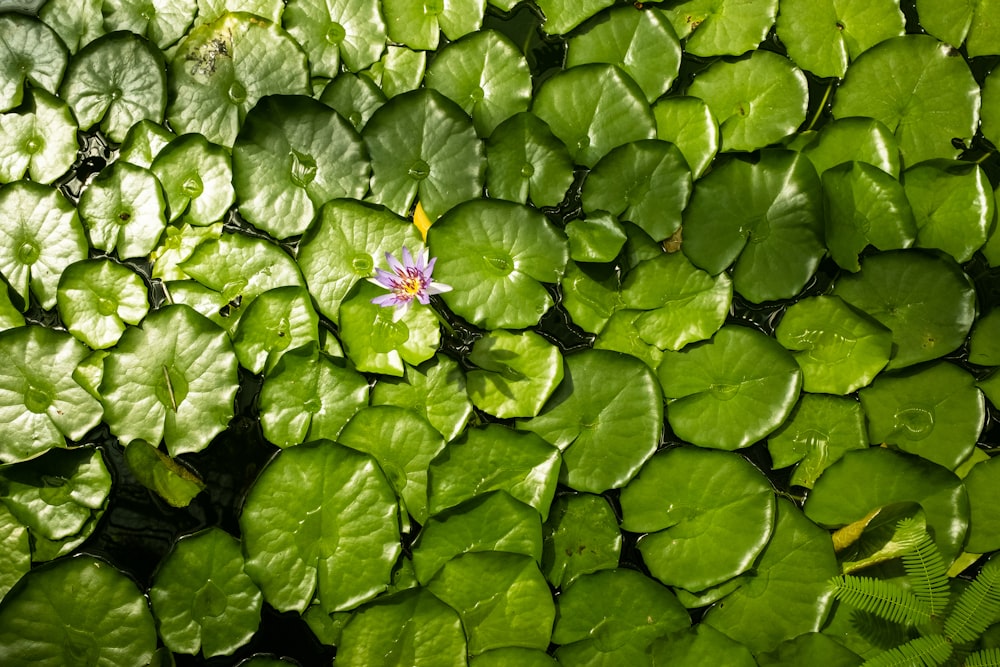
[(722, 27), (688, 123), (865, 206), (561, 16), (491, 522), (10, 316), (305, 532), (927, 302), (309, 396), (353, 96), (729, 392), (690, 500), (40, 235), (486, 75), (417, 24), (818, 432), (642, 43), (76, 611), (163, 22), (15, 556), (423, 146), (173, 379), (621, 334), (933, 411), (851, 139), (516, 373), (788, 594), (591, 294), (645, 182), (914, 86), (495, 255), (875, 477), (953, 205), (76, 23), (604, 612), (40, 402), (202, 596), (171, 480), (210, 10), (502, 598), (982, 484), (292, 155), (494, 458), (838, 348), (971, 22), (39, 139), (823, 37), (991, 107), (278, 320), (31, 52), (984, 343), (116, 80), (144, 142), (757, 100), (524, 160), (124, 210), (701, 644), (407, 628), (398, 71), (580, 536), (222, 68), (592, 109), (97, 297), (332, 32), (597, 238), (767, 217), (513, 656), (435, 390), (606, 417), (197, 178), (811, 648)]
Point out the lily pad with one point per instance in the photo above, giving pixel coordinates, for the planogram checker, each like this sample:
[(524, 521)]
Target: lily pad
[(731, 391), (15, 557), (423, 146), (202, 597), (197, 178), (690, 500), (210, 10), (516, 373), (39, 139), (838, 348), (495, 255), (170, 480), (591, 294), (561, 16), (984, 343), (606, 417), (40, 235), (580, 536), (766, 217), (76, 23), (982, 484), (701, 644), (222, 68), (173, 379), (435, 390), (10, 316), (332, 32), (722, 27), (597, 238), (513, 656), (621, 334), (593, 108), (308, 396), (971, 22), (933, 411), (811, 648), (97, 297), (991, 107), (398, 71), (163, 22), (278, 320), (144, 142), (124, 210), (927, 302), (417, 24), (31, 52), (40, 402), (914, 86), (76, 611), (353, 96), (292, 155), (524, 160), (688, 123), (851, 139)]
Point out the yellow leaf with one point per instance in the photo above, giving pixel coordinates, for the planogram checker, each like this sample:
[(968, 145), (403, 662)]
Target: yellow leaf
[(421, 220)]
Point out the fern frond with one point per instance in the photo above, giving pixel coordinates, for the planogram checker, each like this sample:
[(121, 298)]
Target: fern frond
[(880, 598), (987, 658), (924, 567), (877, 631), (978, 607), (929, 651)]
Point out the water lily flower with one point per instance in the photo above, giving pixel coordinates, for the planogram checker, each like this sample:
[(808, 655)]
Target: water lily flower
[(408, 280)]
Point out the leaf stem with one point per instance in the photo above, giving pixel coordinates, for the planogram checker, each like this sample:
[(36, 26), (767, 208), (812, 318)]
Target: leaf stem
[(819, 109)]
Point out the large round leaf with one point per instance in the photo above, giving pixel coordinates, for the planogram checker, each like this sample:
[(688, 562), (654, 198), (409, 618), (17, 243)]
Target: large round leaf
[(592, 109), (423, 146), (767, 217), (321, 520), (173, 379), (983, 484), (525, 160), (15, 555), (700, 645), (294, 154), (124, 210), (332, 32), (434, 389), (688, 123), (851, 139), (79, 611), (580, 536), (197, 179), (416, 24), (731, 391), (278, 320), (606, 417), (495, 255), (30, 51), (722, 27), (516, 373), (97, 297), (955, 22), (161, 21), (353, 96), (38, 139), (924, 95), (222, 68), (691, 501)]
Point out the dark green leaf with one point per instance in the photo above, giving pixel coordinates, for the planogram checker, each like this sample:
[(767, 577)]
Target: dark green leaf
[(580, 536), (524, 160), (953, 205), (435, 390), (171, 480), (688, 123), (722, 27)]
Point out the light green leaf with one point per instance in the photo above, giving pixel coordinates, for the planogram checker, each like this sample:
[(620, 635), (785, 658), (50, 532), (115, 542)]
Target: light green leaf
[(15, 555), (851, 139), (524, 160), (163, 22), (124, 210), (580, 536), (513, 656), (353, 96), (722, 27), (39, 140), (144, 142), (197, 179), (591, 294), (516, 373), (335, 31), (561, 16), (10, 316), (399, 71), (97, 297), (176, 245), (278, 320), (77, 23), (416, 23), (597, 238), (688, 123), (970, 21), (30, 52), (171, 480), (435, 390), (621, 334), (210, 10)]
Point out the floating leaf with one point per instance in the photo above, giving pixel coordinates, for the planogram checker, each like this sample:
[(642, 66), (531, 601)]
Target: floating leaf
[(592, 109), (983, 483), (516, 373), (811, 648), (495, 254), (688, 500), (355, 97), (606, 417), (40, 402), (524, 160), (321, 520), (210, 10), (39, 139), (10, 316), (580, 536), (984, 344), (161, 21), (991, 107), (561, 16), (688, 123), (97, 297), (513, 656), (76, 23), (591, 294), (434, 389), (292, 155), (76, 611), (278, 320), (701, 644), (171, 480), (851, 139), (123, 210), (197, 178), (597, 238), (971, 22), (722, 27), (144, 142), (417, 24), (31, 52), (729, 392), (335, 31), (399, 71), (621, 334), (15, 555), (173, 379)]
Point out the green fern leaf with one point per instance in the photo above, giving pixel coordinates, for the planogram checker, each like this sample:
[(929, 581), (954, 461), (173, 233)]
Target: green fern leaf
[(978, 607), (987, 658), (924, 567), (929, 651), (880, 598)]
